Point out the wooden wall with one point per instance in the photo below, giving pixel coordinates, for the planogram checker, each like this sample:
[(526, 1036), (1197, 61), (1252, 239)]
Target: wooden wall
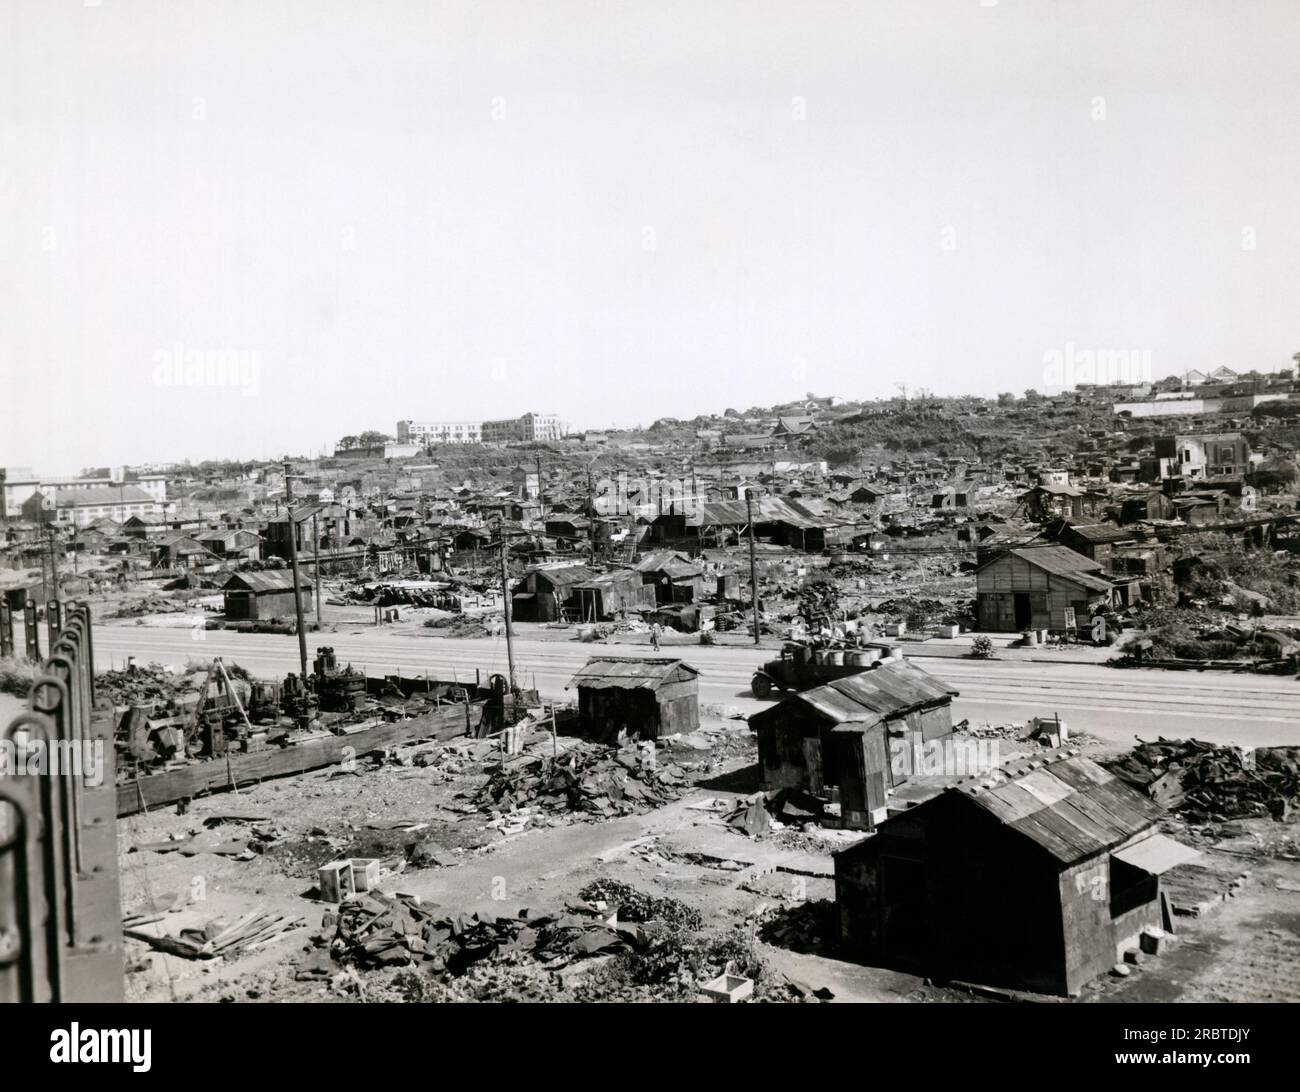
[(1049, 596)]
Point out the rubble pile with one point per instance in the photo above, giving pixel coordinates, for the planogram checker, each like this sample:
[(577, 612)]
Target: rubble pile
[(390, 595), (148, 604), (1208, 783), (597, 781), (141, 685), (155, 683), (464, 628), (636, 906), (802, 927), (375, 929)]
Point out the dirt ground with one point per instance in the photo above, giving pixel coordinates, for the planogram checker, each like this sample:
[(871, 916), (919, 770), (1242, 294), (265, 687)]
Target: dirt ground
[(778, 889)]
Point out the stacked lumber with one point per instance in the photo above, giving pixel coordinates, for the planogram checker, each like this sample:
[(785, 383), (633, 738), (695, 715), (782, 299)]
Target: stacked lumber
[(254, 930)]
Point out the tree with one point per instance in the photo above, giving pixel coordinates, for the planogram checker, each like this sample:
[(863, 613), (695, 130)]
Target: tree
[(1006, 398), (346, 442), (1032, 395), (370, 438)]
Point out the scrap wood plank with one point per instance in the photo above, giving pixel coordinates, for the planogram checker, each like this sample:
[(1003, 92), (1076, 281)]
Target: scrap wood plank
[(170, 945), (231, 930), (195, 779)]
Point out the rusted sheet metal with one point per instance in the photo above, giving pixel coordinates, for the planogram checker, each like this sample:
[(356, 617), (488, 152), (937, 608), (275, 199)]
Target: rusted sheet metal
[(630, 673), (1070, 806)]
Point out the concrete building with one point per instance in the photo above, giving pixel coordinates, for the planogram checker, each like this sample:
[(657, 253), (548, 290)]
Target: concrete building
[(1206, 455), (424, 433), (77, 506), (530, 428), (1037, 875), (18, 484), (525, 483)]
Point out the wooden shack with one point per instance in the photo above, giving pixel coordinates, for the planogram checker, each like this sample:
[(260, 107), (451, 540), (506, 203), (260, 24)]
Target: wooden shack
[(1036, 875), (605, 596), (848, 735), (1039, 587), (672, 575), (546, 594), (634, 697), (262, 596)]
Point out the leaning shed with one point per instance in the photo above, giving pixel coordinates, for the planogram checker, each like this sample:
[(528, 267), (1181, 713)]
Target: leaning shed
[(545, 594), (607, 595), (1036, 875), (858, 734), (630, 696), (262, 596)]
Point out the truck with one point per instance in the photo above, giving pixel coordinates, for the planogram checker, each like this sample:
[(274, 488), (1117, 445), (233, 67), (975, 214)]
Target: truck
[(802, 667)]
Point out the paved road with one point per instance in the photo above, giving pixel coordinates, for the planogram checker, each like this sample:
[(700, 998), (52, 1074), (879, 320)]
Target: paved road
[(1112, 704)]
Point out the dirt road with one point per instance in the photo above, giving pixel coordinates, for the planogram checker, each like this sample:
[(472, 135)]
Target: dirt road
[(1112, 704)]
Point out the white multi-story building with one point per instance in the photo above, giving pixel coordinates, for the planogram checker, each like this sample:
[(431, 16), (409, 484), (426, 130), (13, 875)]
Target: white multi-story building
[(439, 432), (20, 484), (529, 428)]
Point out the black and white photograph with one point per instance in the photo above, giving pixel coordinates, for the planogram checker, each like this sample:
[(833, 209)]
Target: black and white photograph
[(647, 502)]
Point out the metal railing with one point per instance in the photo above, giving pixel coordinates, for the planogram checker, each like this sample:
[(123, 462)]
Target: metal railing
[(45, 880)]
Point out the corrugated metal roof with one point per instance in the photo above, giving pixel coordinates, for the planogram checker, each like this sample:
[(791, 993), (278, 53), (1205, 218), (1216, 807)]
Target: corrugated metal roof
[(657, 559), (876, 693), (1099, 532), (269, 580), (629, 672), (766, 510), (1059, 561), (563, 576), (1067, 804), (1056, 490)]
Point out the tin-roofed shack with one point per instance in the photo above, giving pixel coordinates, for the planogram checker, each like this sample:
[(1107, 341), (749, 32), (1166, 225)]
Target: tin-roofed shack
[(1039, 587), (637, 697), (545, 594), (260, 597), (858, 734), (672, 575), (1036, 876), (607, 595)]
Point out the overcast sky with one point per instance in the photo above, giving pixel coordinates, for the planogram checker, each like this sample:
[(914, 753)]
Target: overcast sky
[(619, 211)]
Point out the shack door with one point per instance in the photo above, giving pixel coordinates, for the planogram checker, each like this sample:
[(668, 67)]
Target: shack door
[(1023, 612), (880, 775), (812, 763), (902, 910)]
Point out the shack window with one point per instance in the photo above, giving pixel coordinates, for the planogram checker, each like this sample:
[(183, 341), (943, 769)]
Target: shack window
[(1130, 887)]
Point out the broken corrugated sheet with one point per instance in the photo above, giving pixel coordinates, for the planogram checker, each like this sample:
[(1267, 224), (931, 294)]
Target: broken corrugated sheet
[(1067, 804), (629, 672)]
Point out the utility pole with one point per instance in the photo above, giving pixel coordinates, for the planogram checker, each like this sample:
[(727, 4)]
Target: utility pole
[(297, 583), (505, 604), (315, 538), (591, 516), (540, 506), (753, 562), (52, 531)]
